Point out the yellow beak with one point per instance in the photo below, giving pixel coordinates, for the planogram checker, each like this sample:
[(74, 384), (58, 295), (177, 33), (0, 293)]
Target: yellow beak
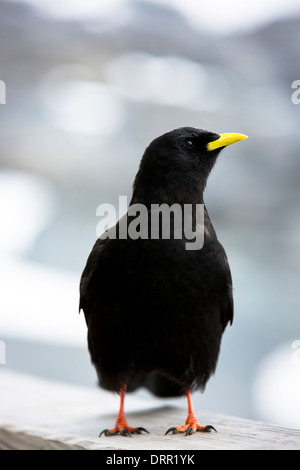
[(224, 140)]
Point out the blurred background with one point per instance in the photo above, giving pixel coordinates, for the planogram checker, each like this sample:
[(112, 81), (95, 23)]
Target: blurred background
[(88, 86)]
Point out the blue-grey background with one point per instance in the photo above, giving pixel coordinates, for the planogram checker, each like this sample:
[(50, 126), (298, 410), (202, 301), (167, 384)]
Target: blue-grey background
[(88, 86)]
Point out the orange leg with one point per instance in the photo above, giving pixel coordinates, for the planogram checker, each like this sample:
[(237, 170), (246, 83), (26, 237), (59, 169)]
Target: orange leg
[(122, 425), (192, 424)]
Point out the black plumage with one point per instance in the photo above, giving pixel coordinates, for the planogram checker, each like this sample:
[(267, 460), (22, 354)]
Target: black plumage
[(156, 311)]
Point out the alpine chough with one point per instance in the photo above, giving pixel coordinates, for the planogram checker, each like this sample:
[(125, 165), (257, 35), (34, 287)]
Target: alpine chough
[(155, 310)]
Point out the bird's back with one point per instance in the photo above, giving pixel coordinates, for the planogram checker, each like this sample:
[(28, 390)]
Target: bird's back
[(156, 311)]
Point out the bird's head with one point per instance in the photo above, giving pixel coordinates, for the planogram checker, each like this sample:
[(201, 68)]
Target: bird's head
[(175, 166)]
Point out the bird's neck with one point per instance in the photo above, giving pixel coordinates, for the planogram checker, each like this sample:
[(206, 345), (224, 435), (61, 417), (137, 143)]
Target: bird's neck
[(179, 192)]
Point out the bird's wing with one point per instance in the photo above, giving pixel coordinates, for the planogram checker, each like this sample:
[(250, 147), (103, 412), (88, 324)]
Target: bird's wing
[(95, 260), (214, 249), (89, 270), (227, 311)]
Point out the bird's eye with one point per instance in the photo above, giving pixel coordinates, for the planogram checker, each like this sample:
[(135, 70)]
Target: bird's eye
[(189, 144)]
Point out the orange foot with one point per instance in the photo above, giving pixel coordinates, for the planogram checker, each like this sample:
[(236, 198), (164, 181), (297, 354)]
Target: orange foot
[(122, 427), (191, 425)]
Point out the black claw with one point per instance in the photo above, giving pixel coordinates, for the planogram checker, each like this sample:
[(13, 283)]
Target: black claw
[(103, 432), (125, 432), (140, 429), (189, 431), (172, 428), (209, 428)]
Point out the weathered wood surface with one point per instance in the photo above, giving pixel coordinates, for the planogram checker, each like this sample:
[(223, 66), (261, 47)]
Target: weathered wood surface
[(40, 414)]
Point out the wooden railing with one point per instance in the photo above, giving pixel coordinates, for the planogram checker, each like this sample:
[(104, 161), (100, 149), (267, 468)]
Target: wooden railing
[(40, 414)]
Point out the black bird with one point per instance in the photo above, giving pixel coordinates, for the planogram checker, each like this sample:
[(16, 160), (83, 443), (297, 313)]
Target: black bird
[(155, 310)]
